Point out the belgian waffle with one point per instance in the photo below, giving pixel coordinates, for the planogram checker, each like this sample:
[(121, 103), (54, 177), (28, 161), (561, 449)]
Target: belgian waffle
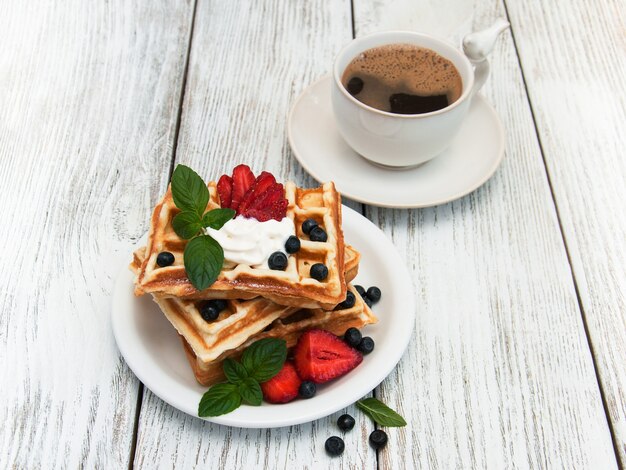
[(292, 287), (288, 326), (240, 320)]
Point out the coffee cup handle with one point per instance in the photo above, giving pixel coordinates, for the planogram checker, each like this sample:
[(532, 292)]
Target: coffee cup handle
[(477, 46)]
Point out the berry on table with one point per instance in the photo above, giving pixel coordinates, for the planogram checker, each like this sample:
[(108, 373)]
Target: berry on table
[(366, 345), (318, 234), (292, 245), (277, 261), (308, 225), (334, 445), (165, 258), (374, 294), (378, 439), (352, 336), (345, 422), (307, 389), (319, 271)]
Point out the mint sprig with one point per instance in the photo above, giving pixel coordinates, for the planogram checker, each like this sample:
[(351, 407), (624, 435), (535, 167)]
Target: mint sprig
[(203, 256), (380, 413), (261, 361)]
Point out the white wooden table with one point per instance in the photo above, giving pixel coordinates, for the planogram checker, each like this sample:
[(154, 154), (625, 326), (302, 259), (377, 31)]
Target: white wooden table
[(519, 354)]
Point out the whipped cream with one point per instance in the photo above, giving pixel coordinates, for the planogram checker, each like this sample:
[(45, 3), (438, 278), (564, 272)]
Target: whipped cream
[(250, 242)]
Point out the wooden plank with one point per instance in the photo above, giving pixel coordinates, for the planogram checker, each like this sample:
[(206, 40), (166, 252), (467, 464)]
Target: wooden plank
[(577, 93), (249, 61), (499, 374), (89, 96)]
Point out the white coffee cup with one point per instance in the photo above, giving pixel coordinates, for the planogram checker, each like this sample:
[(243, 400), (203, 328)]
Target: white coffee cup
[(407, 140)]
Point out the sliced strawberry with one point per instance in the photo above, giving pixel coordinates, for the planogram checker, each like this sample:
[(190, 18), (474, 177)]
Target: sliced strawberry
[(262, 183), (225, 190), (321, 356), (283, 387), (269, 205), (243, 179)]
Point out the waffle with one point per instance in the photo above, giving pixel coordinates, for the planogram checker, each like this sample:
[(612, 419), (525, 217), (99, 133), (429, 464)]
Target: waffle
[(292, 287), (240, 320), (288, 327)]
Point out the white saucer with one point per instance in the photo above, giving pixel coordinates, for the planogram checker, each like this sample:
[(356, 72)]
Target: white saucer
[(152, 348), (470, 161)]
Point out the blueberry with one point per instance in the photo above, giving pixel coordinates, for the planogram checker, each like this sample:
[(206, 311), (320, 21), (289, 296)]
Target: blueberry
[(360, 290), (378, 439), (334, 445), (368, 301), (217, 304), (319, 271), (308, 224), (352, 336), (209, 312), (348, 303), (292, 245), (307, 389), (366, 345), (345, 422), (355, 85), (374, 294), (165, 258), (277, 260), (318, 235)]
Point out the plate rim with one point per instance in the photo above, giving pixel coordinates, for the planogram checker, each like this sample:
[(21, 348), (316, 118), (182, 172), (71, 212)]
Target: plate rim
[(346, 399), (411, 205)]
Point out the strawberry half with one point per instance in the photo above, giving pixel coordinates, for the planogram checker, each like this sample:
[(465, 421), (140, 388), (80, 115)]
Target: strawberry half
[(225, 190), (243, 179), (283, 387), (262, 183), (321, 356)]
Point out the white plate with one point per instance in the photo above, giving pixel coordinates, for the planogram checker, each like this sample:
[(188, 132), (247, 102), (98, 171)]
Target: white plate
[(470, 161), (153, 350)]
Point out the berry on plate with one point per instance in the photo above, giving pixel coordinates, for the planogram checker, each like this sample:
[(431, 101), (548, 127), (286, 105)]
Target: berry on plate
[(352, 336), (366, 345), (308, 225), (165, 258), (307, 389), (321, 356), (283, 387), (319, 271), (318, 234)]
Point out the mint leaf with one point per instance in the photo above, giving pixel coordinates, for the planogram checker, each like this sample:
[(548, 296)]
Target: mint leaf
[(235, 373), (217, 218), (250, 391), (203, 258), (219, 400), (186, 224), (264, 358), (380, 412), (189, 191)]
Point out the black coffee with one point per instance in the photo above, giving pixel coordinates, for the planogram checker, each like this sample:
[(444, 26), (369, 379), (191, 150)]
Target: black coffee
[(403, 79)]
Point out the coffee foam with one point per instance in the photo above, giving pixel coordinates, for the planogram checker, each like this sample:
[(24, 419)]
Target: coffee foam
[(403, 68)]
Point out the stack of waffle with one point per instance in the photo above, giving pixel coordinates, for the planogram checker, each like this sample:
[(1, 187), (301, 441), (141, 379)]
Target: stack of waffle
[(260, 302)]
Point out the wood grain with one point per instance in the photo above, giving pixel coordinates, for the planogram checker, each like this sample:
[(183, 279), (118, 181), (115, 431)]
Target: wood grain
[(249, 61), (577, 92), (89, 95), (499, 374)]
